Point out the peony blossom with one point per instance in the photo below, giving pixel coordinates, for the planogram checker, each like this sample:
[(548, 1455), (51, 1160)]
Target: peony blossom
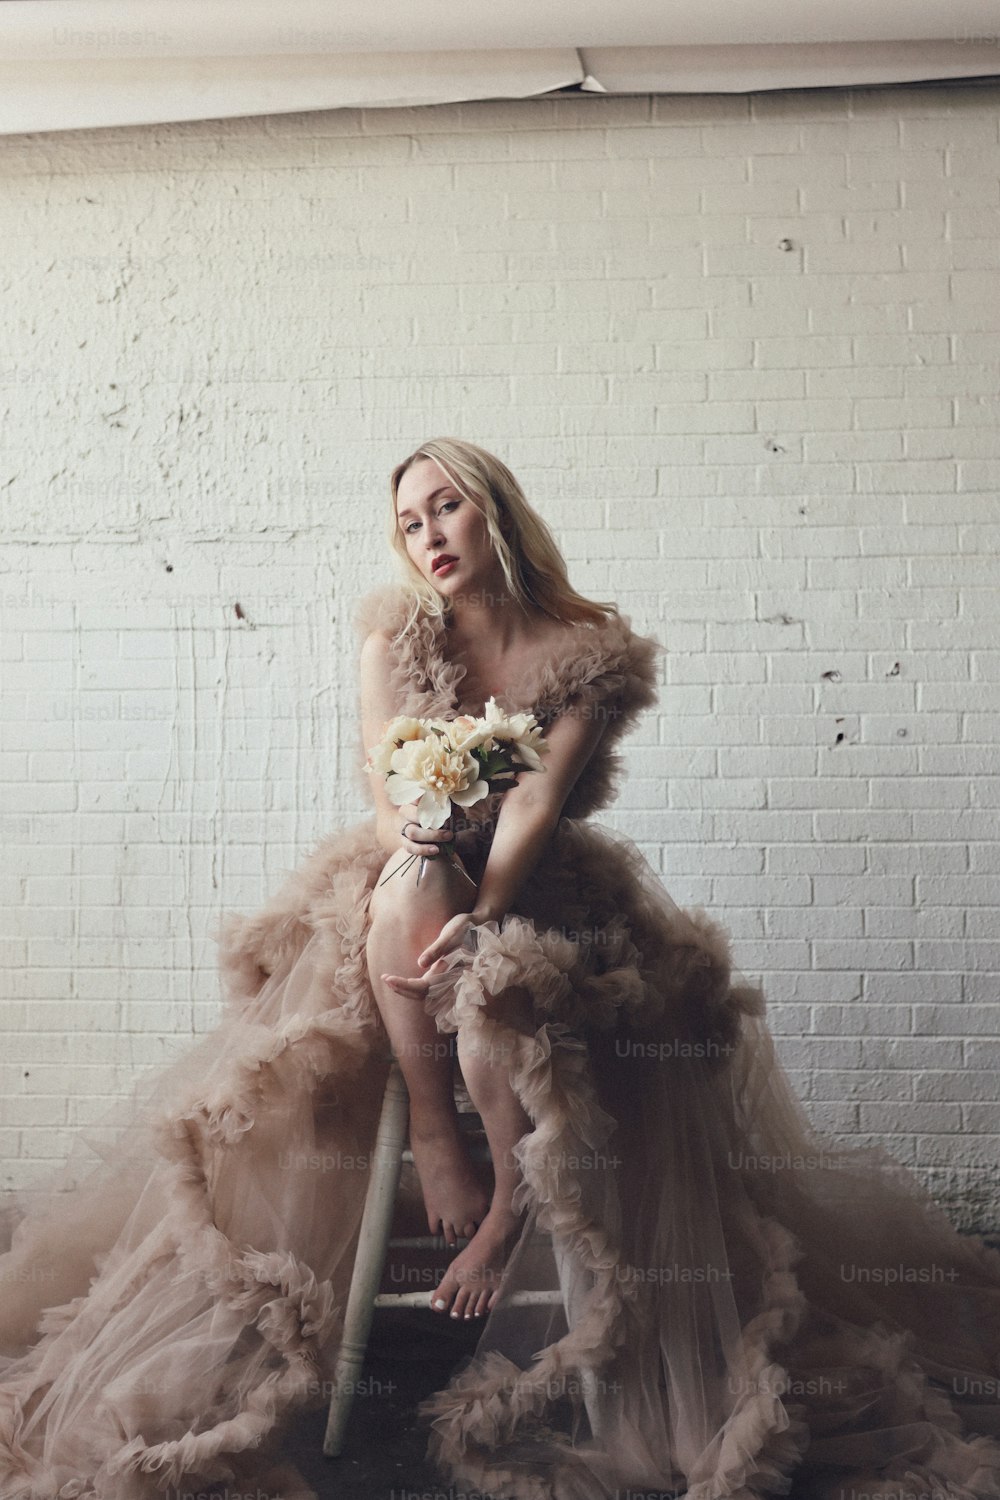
[(398, 730), (521, 731), (437, 763), (466, 732), (430, 774)]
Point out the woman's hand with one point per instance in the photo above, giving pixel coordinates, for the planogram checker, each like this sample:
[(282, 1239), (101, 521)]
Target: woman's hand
[(450, 936), (418, 840), (432, 958)]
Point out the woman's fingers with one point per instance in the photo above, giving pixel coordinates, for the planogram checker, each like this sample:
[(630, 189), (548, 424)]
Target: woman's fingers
[(416, 988), (449, 937), (402, 986), (413, 989), (417, 841), (421, 840), (431, 960)]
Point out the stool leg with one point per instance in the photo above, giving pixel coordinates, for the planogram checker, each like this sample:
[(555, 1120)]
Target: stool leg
[(373, 1240)]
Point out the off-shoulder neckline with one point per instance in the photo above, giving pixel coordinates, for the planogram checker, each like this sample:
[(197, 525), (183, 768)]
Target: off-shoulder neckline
[(592, 652), (540, 686)]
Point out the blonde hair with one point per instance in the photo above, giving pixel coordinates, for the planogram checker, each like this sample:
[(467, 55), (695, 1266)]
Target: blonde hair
[(531, 561)]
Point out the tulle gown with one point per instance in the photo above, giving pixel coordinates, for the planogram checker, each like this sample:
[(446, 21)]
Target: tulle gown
[(745, 1307)]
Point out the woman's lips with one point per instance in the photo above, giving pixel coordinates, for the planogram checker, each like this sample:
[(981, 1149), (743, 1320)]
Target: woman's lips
[(444, 567)]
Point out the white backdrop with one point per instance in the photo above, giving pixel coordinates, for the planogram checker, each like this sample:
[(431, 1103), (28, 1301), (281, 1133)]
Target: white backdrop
[(742, 353)]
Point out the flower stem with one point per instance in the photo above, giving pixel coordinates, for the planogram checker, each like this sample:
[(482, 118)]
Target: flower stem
[(401, 868), (450, 854), (452, 859)]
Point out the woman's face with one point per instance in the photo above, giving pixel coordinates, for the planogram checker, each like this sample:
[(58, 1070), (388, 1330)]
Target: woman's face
[(436, 521)]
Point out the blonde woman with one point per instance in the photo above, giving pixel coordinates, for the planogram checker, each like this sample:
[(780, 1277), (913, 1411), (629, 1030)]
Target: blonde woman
[(506, 611), (680, 1286)]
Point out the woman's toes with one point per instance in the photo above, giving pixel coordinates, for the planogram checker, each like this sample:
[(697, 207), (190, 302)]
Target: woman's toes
[(441, 1229), (457, 1302), (441, 1297)]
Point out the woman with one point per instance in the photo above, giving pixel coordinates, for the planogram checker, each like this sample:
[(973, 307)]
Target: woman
[(741, 1308), (458, 558)]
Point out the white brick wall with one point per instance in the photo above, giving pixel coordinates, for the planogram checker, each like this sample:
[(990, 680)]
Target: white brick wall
[(743, 353)]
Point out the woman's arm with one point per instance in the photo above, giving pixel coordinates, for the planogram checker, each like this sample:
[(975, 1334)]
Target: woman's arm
[(378, 706), (529, 814), (530, 811)]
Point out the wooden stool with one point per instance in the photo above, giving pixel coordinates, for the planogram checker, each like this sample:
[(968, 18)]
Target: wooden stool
[(374, 1242)]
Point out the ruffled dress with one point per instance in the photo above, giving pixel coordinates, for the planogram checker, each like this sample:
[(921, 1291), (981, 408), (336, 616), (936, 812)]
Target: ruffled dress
[(740, 1305)]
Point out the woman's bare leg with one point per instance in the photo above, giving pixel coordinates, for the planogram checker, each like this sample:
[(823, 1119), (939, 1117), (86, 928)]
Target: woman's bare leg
[(473, 1278), (405, 918)]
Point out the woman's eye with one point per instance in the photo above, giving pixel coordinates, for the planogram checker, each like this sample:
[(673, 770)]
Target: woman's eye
[(410, 527)]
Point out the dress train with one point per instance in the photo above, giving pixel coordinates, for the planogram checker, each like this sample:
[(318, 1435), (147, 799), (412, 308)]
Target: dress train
[(747, 1307)]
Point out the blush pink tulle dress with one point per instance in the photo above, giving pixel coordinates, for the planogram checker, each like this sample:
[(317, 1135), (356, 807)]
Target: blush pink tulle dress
[(746, 1307)]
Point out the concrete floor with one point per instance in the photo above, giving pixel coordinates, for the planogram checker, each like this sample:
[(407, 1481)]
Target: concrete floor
[(411, 1353)]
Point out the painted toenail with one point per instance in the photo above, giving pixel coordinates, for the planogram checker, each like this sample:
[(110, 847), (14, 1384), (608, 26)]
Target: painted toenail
[(440, 1302)]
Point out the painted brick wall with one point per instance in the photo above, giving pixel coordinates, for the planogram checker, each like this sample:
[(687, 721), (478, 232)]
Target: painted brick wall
[(743, 354)]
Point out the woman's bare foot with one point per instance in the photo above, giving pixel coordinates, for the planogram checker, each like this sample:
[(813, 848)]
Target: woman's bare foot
[(455, 1199), (473, 1279)]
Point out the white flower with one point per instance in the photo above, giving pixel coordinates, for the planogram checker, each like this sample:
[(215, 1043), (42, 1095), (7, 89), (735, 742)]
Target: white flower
[(432, 775), (521, 731), (402, 727), (466, 732)]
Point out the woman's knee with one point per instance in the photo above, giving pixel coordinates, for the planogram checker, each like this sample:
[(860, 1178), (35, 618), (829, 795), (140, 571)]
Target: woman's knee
[(409, 908)]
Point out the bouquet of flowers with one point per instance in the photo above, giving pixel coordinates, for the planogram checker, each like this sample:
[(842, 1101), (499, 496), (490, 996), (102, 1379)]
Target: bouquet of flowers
[(436, 762)]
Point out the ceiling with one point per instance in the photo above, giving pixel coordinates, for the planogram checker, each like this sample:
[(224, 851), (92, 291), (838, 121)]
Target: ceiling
[(79, 64)]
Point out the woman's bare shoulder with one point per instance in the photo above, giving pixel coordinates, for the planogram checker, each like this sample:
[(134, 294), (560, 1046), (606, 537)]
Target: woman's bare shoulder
[(376, 656), (383, 609)]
